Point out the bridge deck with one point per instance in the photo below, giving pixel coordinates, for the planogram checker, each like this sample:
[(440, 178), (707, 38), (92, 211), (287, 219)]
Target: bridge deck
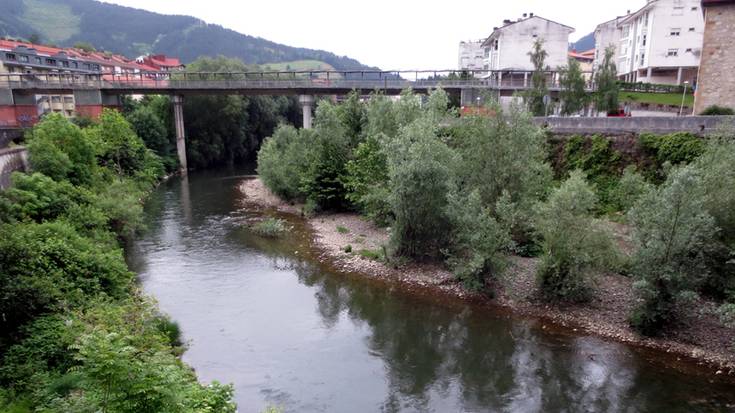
[(266, 83)]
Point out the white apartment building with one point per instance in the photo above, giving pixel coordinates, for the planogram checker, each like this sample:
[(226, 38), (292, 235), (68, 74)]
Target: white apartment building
[(507, 47), (607, 34), (660, 43), (471, 55)]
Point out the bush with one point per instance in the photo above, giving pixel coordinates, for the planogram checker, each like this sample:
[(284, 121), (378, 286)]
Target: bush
[(270, 228), (506, 152), (715, 110), (631, 187), (477, 240), (596, 157), (48, 267), (59, 149), (367, 179), (672, 234), (282, 162), (419, 170), (574, 244), (676, 148)]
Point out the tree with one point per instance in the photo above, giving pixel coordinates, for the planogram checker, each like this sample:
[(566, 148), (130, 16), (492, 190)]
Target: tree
[(535, 96), (573, 95), (606, 80), (34, 38), (85, 46), (574, 243), (673, 234)]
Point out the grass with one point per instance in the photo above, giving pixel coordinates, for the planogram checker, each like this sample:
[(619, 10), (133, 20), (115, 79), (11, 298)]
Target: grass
[(55, 22), (342, 230), (270, 228), (672, 99), (376, 255)]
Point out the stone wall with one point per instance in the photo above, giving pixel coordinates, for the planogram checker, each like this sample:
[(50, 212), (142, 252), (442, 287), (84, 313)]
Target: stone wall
[(700, 125), (716, 78), (12, 160)]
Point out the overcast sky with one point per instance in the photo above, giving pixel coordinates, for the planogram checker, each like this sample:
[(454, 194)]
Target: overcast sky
[(390, 34)]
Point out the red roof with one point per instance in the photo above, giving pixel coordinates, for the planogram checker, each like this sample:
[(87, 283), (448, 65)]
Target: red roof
[(101, 58)]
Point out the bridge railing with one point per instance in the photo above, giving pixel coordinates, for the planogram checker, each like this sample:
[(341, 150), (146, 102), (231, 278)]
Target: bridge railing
[(320, 79)]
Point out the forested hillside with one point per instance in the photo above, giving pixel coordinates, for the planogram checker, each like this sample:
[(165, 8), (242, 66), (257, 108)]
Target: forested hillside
[(133, 32)]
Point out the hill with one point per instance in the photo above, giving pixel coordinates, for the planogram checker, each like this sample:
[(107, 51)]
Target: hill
[(133, 32), (585, 43)]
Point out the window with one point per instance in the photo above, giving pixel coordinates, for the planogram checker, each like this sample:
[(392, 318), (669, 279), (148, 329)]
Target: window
[(691, 29), (675, 32), (689, 50), (643, 59), (65, 64), (23, 59), (75, 65), (55, 99), (672, 53), (695, 8), (644, 40), (39, 60), (10, 56), (678, 11), (51, 62)]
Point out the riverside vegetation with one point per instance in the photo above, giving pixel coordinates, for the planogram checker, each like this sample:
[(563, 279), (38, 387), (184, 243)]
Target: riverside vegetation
[(76, 334), (471, 191)]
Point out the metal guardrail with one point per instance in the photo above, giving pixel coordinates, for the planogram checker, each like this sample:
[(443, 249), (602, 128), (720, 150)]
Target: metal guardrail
[(317, 80)]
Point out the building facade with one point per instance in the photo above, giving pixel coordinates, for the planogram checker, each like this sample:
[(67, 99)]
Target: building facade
[(660, 43), (716, 83), (471, 55), (606, 35), (507, 48), (21, 58)]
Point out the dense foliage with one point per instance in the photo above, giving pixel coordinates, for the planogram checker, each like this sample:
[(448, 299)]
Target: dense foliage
[(606, 83), (574, 97), (470, 190), (715, 110), (75, 334), (538, 91)]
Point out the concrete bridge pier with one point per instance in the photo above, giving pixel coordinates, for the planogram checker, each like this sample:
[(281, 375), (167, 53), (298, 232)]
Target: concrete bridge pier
[(307, 106), (178, 102)]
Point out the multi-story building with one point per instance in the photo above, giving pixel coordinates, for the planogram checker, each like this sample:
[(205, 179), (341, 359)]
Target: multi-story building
[(161, 62), (507, 48), (716, 83), (606, 35), (471, 55), (660, 43), (24, 58)]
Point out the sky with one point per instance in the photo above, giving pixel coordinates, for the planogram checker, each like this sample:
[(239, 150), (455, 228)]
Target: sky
[(390, 34)]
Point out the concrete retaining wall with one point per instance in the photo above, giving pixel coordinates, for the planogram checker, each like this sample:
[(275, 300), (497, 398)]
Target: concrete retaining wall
[(12, 160), (700, 125)]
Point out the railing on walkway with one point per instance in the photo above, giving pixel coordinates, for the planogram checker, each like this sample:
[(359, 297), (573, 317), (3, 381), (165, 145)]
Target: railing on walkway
[(270, 80)]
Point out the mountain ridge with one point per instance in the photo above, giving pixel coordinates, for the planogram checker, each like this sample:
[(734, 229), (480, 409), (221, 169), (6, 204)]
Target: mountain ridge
[(133, 32)]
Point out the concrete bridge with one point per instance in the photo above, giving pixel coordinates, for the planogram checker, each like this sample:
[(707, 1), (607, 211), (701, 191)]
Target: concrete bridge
[(93, 92)]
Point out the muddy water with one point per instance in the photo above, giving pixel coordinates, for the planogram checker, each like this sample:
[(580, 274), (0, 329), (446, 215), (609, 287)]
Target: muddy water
[(290, 333)]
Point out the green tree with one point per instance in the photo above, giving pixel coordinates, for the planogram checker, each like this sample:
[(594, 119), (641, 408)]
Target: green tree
[(58, 148), (149, 126), (673, 233), (535, 95), (575, 245), (367, 179), (574, 97), (282, 162), (419, 170), (606, 81)]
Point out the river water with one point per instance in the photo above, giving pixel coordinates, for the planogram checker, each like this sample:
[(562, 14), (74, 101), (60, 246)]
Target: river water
[(291, 333)]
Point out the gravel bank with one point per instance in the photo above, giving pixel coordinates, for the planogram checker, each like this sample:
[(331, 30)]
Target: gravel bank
[(700, 336)]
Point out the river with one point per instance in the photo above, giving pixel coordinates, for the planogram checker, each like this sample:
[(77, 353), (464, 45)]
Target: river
[(289, 332)]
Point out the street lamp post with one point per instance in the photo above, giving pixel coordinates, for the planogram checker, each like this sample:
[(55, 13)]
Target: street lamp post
[(683, 96)]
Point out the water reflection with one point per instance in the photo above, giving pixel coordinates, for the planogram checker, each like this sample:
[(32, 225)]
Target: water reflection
[(291, 333)]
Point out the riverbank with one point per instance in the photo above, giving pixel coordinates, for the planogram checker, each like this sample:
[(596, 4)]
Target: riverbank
[(349, 243)]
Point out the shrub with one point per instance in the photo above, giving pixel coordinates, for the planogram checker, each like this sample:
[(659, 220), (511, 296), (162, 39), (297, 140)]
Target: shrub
[(419, 168), (46, 267), (574, 244), (59, 149), (117, 145), (675, 148), (477, 240), (628, 190), (506, 152), (715, 110), (282, 162), (597, 158), (367, 179), (672, 234), (342, 230), (270, 228)]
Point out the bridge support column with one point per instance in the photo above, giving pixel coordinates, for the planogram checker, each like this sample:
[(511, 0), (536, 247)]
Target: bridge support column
[(178, 102), (307, 105)]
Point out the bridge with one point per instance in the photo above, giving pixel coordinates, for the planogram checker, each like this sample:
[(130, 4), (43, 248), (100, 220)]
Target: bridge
[(94, 91)]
